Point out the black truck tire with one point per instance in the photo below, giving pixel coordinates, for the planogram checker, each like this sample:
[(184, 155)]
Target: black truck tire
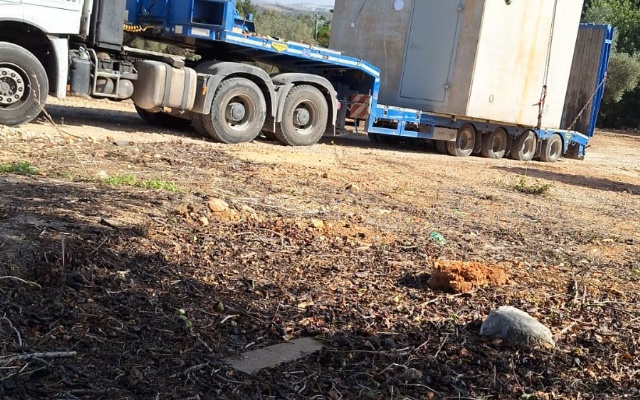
[(238, 112), (163, 120), (465, 142), (304, 117), (495, 144), (551, 150), (23, 85), (524, 146), (441, 147)]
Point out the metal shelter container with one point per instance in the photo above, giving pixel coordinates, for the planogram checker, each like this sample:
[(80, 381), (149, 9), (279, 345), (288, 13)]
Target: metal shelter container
[(484, 59)]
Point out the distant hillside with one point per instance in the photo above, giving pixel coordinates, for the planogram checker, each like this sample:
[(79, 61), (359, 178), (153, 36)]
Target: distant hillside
[(274, 5)]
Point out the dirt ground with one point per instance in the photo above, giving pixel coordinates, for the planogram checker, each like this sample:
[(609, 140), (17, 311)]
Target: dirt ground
[(133, 259)]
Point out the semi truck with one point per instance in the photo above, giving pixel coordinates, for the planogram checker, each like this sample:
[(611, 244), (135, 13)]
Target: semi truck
[(212, 69)]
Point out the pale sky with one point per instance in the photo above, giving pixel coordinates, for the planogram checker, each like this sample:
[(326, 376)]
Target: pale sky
[(328, 3)]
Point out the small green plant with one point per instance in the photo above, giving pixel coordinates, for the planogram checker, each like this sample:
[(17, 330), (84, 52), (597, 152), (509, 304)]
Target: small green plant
[(121, 180), (536, 188), (182, 316), (20, 168), (159, 185), (129, 180)]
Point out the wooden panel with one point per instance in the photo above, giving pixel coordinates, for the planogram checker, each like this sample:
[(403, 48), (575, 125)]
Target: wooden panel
[(582, 84)]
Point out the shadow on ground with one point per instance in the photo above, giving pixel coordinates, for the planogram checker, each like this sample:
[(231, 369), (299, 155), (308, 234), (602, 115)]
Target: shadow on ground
[(575, 180)]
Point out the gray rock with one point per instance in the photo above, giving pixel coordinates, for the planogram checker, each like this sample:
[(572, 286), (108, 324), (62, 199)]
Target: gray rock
[(516, 328)]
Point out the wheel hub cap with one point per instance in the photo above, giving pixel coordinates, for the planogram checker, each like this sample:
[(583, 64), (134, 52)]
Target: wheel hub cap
[(11, 86), (302, 116), (236, 112)]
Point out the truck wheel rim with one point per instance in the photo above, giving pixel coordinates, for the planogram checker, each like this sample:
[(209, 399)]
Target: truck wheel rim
[(14, 85), (239, 112), (305, 117)]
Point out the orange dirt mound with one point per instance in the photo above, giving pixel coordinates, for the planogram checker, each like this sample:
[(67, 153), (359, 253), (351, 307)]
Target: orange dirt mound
[(462, 276)]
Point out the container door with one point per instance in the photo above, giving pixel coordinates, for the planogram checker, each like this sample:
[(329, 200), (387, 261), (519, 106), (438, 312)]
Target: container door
[(431, 50)]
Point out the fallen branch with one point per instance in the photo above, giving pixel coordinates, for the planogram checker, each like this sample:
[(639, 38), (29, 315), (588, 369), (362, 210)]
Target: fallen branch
[(441, 345), (22, 357), (564, 331), (4, 318), (21, 280), (190, 370)]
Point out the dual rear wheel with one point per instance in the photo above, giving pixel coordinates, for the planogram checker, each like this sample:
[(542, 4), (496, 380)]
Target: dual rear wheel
[(238, 113)]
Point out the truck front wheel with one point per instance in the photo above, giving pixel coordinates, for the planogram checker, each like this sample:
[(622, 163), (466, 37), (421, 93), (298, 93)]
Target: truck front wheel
[(238, 112), (23, 85), (304, 117)]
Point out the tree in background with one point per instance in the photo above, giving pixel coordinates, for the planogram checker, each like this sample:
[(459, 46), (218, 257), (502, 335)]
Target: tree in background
[(622, 95), (246, 7), (296, 26), (323, 30)]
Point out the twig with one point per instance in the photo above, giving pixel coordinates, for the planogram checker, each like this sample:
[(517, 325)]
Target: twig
[(99, 246), (564, 331), (422, 345), (52, 122), (575, 291), (4, 317), (52, 354), (21, 280), (441, 345), (190, 370), (227, 317)]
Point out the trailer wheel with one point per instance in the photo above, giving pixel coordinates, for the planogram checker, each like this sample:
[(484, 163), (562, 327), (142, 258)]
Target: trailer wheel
[(23, 85), (477, 148), (441, 147), (465, 142), (163, 120), (304, 117), (373, 137), (494, 144), (551, 149), (524, 146), (238, 112)]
